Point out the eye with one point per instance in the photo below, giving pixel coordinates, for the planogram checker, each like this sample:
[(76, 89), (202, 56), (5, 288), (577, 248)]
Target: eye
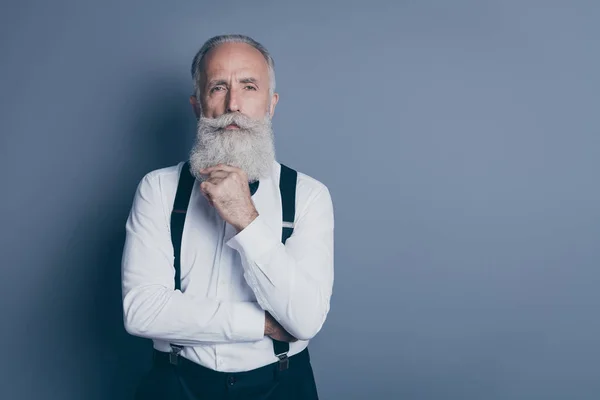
[(250, 87), (217, 89)]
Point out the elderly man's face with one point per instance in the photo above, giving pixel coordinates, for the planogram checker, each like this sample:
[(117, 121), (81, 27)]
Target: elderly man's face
[(235, 78), (234, 117)]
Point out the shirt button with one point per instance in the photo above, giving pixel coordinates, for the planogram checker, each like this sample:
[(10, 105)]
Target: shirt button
[(231, 380)]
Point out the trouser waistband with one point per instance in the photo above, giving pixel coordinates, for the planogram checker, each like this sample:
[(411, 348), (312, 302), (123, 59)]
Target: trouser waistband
[(263, 374)]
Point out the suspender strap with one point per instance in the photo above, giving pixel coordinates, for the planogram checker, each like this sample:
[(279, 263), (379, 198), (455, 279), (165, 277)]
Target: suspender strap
[(180, 206), (182, 200), (287, 188)]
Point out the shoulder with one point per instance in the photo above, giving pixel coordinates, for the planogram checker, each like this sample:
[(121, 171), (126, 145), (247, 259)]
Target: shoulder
[(160, 185), (311, 184), (164, 175), (163, 179)]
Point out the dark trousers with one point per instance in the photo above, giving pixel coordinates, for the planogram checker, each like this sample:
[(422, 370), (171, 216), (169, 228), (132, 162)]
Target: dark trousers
[(190, 381)]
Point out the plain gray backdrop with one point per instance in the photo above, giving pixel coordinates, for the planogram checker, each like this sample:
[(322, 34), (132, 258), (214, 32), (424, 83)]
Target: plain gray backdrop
[(459, 140)]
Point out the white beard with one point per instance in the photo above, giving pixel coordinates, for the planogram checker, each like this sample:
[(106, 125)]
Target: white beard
[(250, 148)]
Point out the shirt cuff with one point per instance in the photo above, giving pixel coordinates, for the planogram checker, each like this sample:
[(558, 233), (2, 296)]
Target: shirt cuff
[(247, 322), (254, 240)]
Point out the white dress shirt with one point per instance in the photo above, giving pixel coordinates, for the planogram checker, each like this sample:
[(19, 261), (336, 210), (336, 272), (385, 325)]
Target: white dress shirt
[(228, 280)]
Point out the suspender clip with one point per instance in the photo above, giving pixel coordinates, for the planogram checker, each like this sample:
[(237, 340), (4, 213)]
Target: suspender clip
[(284, 361), (174, 354)]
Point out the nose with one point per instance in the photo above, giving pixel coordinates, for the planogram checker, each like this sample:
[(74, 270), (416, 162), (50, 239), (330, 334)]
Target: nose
[(232, 101)]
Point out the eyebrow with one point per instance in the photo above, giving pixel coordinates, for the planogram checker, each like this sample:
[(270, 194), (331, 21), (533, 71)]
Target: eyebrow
[(216, 82), (249, 80)]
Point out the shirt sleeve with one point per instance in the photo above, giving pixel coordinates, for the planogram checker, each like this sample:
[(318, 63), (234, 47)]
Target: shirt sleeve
[(293, 282), (152, 307)]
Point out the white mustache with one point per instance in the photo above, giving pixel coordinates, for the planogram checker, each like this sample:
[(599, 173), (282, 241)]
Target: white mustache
[(235, 118)]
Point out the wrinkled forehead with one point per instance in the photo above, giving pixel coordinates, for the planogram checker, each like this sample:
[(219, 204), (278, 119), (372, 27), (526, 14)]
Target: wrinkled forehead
[(234, 59)]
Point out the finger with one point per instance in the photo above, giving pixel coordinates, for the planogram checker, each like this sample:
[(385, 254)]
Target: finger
[(213, 188), (206, 196), (219, 167), (207, 187), (215, 180), (218, 174), (225, 168)]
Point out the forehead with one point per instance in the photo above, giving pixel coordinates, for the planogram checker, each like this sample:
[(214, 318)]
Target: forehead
[(233, 58)]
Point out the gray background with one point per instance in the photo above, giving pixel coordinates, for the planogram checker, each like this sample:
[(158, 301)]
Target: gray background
[(459, 140)]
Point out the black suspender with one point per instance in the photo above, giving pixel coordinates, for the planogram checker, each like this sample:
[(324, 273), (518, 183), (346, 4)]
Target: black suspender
[(287, 189), (180, 206)]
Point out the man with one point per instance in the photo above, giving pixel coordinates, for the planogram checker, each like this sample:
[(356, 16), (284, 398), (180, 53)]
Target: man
[(229, 303)]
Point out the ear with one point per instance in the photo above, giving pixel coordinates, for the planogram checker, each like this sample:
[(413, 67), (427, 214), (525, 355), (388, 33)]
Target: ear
[(195, 106), (274, 101)]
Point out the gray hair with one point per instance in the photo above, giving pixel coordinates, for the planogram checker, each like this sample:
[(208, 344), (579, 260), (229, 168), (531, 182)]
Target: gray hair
[(234, 38)]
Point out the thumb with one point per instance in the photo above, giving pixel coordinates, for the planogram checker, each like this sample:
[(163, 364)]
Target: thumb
[(206, 193), (206, 186)]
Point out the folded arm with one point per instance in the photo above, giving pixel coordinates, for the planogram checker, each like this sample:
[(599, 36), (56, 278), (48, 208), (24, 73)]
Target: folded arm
[(293, 282), (152, 307)]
